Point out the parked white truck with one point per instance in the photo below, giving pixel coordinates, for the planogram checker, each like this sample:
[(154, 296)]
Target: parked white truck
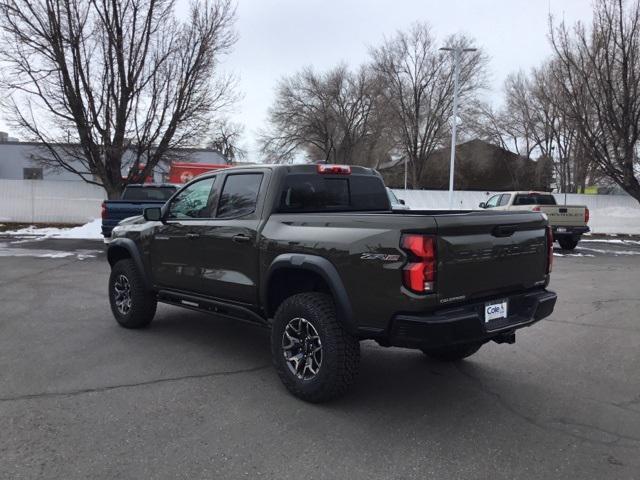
[(568, 222)]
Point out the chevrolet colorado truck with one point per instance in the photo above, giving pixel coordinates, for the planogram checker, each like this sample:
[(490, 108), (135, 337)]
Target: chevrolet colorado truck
[(568, 222), (316, 254), (134, 199)]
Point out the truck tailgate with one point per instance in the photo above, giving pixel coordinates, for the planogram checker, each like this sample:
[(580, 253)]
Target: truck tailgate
[(490, 253), (564, 215)]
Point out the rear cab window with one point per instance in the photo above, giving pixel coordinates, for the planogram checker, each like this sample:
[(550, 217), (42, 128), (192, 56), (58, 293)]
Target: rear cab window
[(534, 199), (148, 193), (311, 192)]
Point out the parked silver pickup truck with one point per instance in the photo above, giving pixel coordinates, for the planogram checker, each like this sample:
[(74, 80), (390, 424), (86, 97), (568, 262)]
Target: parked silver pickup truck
[(568, 222)]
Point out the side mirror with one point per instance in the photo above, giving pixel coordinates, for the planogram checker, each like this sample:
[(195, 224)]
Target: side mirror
[(152, 214), (482, 205), (401, 201)]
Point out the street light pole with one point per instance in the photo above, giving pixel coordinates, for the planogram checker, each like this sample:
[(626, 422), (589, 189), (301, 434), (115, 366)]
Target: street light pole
[(457, 55)]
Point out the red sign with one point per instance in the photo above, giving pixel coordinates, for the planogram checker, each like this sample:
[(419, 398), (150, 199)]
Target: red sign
[(183, 172)]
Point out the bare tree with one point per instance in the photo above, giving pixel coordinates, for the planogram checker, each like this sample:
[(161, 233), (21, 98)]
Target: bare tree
[(226, 138), (111, 87), (599, 72), (534, 123), (327, 116), (418, 87)]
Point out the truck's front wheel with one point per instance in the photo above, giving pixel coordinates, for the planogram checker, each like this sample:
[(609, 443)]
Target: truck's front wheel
[(132, 305), (316, 359), (453, 352)]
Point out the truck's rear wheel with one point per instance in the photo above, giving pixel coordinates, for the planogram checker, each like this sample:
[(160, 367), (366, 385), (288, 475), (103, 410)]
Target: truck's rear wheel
[(316, 359), (453, 352), (568, 243), (132, 304)]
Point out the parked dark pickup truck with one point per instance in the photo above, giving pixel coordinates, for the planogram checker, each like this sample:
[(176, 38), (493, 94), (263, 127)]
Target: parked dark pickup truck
[(133, 201), (316, 253)]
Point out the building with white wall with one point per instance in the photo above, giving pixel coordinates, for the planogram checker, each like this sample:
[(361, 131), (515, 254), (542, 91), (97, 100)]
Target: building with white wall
[(19, 161)]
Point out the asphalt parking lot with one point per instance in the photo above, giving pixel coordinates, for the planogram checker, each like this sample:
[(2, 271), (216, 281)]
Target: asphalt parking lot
[(194, 396)]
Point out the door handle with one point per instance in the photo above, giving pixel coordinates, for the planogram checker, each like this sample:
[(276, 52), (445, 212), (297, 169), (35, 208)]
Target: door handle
[(240, 238), (192, 236)]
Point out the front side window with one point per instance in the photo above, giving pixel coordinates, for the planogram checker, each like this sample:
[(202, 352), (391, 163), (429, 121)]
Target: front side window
[(239, 195), (193, 201), (492, 202)]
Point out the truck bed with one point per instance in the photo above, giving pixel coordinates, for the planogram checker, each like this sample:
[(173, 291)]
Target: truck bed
[(480, 254)]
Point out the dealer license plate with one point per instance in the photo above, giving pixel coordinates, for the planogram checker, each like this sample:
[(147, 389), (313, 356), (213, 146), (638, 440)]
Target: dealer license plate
[(492, 311)]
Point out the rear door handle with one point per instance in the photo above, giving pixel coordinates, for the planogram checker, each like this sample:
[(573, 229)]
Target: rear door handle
[(192, 236), (240, 238)]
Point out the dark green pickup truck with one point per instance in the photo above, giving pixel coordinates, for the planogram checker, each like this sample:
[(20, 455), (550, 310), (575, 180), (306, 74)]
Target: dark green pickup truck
[(316, 254)]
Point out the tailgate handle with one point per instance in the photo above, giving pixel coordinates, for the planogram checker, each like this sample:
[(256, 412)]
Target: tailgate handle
[(563, 210), (504, 230)]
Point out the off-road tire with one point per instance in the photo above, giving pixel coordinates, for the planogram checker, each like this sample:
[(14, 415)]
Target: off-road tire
[(340, 350), (143, 303), (568, 243), (452, 353)]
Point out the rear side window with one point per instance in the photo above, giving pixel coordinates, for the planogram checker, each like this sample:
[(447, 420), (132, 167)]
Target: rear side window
[(148, 193), (534, 199), (239, 195), (504, 199), (319, 193)]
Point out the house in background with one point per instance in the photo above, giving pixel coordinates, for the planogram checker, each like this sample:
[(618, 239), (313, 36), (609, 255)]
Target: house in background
[(479, 166), (19, 161)]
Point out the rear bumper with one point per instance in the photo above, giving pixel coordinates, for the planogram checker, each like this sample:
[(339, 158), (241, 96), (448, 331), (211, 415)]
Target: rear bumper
[(561, 230), (465, 323)]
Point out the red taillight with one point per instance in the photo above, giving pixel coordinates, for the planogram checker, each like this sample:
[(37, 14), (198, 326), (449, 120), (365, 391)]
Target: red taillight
[(103, 212), (586, 215), (419, 274), (549, 249), (334, 169)]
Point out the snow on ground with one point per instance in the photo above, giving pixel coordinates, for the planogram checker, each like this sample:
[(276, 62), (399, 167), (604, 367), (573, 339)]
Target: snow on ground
[(8, 250), (90, 231)]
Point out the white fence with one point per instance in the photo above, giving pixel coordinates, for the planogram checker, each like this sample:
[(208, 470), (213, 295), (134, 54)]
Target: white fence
[(49, 201), (609, 213)]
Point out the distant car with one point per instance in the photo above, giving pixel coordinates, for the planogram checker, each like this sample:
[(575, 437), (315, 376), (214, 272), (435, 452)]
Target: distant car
[(568, 222), (396, 203), (133, 201)]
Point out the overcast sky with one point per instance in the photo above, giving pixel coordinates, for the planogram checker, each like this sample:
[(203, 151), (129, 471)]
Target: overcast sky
[(278, 37)]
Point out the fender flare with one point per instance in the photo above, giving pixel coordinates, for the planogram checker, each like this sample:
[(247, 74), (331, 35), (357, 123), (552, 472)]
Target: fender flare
[(327, 272), (129, 245)]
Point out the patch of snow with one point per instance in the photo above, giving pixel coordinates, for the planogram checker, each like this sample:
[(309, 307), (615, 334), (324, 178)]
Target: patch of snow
[(7, 251), (612, 252), (90, 231), (613, 240)]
